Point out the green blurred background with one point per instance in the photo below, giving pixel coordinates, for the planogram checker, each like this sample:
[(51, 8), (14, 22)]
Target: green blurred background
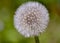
[(8, 33)]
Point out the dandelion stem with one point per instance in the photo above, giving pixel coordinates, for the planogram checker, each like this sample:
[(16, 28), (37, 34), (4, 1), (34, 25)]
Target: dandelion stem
[(36, 39)]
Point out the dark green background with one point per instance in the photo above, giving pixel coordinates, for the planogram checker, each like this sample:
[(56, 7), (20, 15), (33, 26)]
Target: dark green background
[(10, 35)]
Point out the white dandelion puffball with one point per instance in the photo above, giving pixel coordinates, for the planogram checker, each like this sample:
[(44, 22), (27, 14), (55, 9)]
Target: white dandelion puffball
[(1, 25), (31, 18)]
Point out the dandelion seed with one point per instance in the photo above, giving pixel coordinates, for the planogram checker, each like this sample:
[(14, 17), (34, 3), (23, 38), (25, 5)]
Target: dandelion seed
[(31, 18)]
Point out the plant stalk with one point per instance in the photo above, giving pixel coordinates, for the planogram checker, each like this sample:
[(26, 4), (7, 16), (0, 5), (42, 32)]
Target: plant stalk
[(36, 39)]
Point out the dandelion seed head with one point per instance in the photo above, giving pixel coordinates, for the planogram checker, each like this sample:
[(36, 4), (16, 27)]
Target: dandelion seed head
[(1, 25), (31, 18)]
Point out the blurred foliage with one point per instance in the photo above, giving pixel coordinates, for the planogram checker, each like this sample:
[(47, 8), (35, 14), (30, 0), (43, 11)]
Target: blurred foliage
[(8, 34)]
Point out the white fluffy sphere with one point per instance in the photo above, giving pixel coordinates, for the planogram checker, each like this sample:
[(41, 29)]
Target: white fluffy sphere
[(31, 18)]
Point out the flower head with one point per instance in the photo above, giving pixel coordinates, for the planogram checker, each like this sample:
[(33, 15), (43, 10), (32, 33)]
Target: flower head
[(1, 25), (31, 18)]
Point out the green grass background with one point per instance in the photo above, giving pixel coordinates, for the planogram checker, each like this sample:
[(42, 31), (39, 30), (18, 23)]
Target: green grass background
[(10, 35)]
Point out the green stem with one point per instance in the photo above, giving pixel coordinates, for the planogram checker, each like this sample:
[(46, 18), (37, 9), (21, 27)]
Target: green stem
[(36, 39)]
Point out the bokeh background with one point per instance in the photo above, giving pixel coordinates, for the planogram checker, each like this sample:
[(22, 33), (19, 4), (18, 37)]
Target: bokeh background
[(8, 33)]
